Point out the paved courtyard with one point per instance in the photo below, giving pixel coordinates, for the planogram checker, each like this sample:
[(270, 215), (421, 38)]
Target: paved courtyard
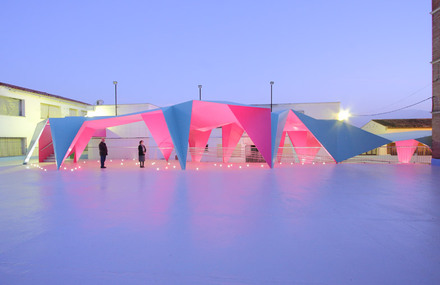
[(300, 224)]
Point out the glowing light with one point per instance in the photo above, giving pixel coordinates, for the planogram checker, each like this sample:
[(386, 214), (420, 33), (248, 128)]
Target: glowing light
[(122, 163), (197, 168), (229, 166), (79, 166), (262, 165), (157, 168), (239, 166), (166, 167), (71, 169), (45, 169), (344, 115), (215, 164), (111, 160), (174, 166), (65, 168), (247, 165)]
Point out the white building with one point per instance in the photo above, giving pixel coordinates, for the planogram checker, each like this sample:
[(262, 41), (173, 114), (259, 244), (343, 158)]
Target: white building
[(20, 111)]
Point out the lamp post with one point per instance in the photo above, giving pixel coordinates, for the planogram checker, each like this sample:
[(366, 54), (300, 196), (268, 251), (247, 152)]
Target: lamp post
[(271, 84), (116, 97), (200, 92)]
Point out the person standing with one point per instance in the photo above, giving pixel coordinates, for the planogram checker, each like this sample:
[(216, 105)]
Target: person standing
[(103, 152), (142, 150)]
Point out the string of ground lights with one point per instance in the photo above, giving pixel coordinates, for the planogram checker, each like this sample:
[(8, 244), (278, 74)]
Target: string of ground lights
[(188, 125)]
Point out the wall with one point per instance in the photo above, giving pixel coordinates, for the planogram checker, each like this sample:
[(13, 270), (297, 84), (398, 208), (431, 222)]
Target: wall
[(435, 79), (24, 126), (324, 111)]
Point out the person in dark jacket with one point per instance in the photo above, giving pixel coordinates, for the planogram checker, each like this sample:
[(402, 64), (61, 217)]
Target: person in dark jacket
[(142, 150), (103, 152)]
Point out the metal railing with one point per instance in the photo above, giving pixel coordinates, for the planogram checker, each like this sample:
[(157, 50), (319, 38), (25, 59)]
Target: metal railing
[(290, 155)]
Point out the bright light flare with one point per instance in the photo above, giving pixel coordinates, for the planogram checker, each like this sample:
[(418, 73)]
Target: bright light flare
[(344, 115)]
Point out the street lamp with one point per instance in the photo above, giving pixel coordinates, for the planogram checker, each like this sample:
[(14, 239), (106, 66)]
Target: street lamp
[(116, 97), (200, 92), (271, 84)]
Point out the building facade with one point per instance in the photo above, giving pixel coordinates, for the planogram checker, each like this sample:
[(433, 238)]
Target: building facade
[(21, 109), (436, 80)]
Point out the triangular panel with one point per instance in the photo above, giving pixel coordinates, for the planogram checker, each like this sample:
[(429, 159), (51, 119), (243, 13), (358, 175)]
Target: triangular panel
[(64, 131), (158, 128), (278, 120), (257, 124), (178, 119), (231, 135), (197, 143), (341, 139)]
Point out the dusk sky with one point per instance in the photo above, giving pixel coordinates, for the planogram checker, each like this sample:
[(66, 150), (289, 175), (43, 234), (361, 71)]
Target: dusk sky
[(372, 56)]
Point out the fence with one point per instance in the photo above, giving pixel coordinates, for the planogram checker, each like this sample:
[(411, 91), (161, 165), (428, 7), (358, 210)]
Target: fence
[(249, 153)]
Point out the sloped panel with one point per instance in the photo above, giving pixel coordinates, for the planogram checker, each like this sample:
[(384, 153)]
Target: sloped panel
[(341, 139), (178, 119), (257, 124), (278, 121), (197, 143), (63, 132), (158, 128), (231, 135)]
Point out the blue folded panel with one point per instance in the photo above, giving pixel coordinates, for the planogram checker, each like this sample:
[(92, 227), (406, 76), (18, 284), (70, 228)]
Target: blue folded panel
[(341, 139), (278, 121), (63, 132), (178, 119)]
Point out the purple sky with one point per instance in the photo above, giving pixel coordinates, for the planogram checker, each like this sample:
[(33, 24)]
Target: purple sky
[(366, 54)]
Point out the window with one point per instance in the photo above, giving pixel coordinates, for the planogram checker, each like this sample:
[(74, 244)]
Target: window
[(371, 152), (253, 154), (73, 112), (50, 111), (83, 113), (11, 106), (12, 146)]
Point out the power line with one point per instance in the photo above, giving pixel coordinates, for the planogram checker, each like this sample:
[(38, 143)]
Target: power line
[(406, 97), (364, 115)]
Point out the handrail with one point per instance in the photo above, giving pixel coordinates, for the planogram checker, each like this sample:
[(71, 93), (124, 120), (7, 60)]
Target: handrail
[(48, 145)]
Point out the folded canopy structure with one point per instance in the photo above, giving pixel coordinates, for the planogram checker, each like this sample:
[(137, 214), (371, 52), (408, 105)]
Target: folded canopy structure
[(189, 124), (407, 143)]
